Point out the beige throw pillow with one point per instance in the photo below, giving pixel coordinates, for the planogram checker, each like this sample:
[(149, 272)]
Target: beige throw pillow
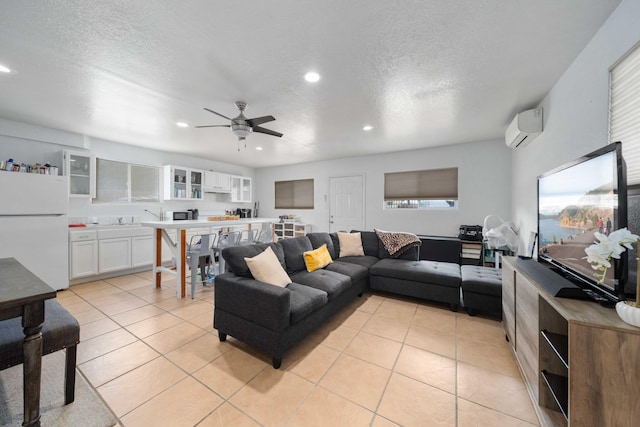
[(265, 267), (350, 244)]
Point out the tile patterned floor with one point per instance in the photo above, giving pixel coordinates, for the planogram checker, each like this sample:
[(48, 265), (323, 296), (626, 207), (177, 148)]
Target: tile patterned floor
[(383, 361)]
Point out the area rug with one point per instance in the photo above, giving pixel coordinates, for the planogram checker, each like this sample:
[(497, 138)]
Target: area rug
[(87, 410)]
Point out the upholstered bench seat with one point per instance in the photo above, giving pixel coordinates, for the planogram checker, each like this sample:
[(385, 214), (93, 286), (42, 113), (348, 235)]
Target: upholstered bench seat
[(60, 330), (442, 273), (482, 289), (432, 280)]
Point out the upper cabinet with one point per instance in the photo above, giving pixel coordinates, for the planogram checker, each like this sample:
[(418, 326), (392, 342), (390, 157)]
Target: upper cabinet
[(216, 182), (240, 189), (182, 183), (81, 169)]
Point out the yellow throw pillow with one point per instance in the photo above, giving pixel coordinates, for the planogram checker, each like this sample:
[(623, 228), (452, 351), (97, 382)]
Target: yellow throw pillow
[(265, 267), (350, 244), (317, 258)]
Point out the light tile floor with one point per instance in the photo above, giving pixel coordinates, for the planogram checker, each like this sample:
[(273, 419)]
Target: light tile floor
[(384, 361)]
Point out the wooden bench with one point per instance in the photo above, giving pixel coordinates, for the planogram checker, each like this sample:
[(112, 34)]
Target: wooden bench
[(59, 331)]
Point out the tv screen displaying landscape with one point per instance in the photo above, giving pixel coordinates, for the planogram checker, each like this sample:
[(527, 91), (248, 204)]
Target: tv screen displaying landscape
[(573, 204)]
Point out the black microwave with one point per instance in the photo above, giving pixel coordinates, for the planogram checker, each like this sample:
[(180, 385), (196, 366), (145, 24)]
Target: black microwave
[(179, 215)]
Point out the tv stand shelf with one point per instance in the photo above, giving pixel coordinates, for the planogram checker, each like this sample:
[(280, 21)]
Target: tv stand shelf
[(578, 360)]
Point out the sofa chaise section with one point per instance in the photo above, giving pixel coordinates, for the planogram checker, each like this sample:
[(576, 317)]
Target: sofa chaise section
[(430, 280)]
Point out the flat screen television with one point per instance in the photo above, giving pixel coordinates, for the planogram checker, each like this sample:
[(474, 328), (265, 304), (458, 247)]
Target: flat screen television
[(576, 200)]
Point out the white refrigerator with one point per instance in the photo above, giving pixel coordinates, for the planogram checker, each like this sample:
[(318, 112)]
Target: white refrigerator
[(34, 224)]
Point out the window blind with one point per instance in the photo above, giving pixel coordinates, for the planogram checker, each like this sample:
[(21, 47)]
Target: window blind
[(111, 182), (144, 184), (120, 182), (297, 194), (432, 184), (624, 111)]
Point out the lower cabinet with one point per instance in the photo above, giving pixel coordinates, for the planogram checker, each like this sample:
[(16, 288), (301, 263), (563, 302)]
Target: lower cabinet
[(94, 252), (114, 254), (142, 251), (83, 259), (578, 359)]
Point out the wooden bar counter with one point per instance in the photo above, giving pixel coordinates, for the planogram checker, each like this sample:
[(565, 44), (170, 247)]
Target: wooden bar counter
[(180, 247)]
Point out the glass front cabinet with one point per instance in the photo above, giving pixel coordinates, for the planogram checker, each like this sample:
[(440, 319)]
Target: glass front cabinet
[(182, 183), (240, 189), (80, 167)]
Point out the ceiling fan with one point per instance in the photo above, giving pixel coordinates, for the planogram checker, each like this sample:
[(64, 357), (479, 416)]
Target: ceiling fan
[(241, 126)]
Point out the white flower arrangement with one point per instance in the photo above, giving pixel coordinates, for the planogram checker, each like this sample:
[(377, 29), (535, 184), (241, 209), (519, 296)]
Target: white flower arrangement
[(612, 246)]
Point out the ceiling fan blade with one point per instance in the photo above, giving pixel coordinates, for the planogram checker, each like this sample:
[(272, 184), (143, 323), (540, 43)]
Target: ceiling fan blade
[(217, 114), (213, 126), (267, 131), (260, 120)]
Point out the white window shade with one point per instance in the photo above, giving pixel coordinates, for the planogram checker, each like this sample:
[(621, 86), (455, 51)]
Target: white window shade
[(111, 182), (120, 182), (624, 111), (144, 184)]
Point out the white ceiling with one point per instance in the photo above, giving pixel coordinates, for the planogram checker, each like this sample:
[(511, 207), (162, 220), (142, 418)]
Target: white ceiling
[(423, 73)]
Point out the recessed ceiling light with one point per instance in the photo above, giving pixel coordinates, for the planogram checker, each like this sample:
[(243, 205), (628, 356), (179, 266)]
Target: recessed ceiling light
[(367, 127), (182, 124), (6, 70), (312, 77), (259, 148)]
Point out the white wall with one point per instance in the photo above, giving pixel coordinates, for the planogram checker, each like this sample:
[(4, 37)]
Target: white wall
[(484, 171), (16, 142), (575, 112)]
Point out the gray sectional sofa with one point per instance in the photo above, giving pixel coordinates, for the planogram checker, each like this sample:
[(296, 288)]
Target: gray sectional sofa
[(273, 319)]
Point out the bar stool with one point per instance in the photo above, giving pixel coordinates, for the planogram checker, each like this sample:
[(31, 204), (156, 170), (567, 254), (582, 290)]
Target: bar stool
[(200, 247), (247, 237), (264, 236), (231, 238)]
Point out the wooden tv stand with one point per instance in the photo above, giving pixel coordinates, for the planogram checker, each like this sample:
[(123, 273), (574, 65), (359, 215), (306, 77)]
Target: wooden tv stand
[(579, 361)]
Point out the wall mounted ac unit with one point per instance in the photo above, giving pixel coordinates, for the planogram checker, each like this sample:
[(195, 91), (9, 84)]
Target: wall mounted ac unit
[(524, 128)]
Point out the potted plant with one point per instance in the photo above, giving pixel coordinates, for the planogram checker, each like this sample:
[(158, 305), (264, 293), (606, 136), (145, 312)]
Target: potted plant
[(599, 255)]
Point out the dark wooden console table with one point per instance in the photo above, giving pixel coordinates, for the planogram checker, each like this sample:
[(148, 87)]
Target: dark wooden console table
[(22, 294)]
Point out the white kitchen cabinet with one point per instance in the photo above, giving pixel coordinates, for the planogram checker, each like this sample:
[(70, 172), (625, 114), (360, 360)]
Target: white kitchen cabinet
[(80, 167), (217, 182), (182, 183), (114, 254), (240, 189), (83, 257), (142, 251), (112, 249)]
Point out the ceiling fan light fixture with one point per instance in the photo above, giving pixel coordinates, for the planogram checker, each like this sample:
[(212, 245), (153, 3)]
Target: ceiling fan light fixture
[(259, 148), (367, 128), (241, 126), (182, 125), (312, 77), (241, 130)]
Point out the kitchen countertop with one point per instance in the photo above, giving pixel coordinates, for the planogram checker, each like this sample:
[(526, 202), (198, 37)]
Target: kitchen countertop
[(204, 223), (101, 226)]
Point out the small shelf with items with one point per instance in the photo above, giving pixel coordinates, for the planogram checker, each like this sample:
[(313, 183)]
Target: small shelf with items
[(288, 229), (471, 252), (489, 255)]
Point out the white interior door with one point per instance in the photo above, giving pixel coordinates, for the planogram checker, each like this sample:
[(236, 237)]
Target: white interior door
[(346, 208)]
